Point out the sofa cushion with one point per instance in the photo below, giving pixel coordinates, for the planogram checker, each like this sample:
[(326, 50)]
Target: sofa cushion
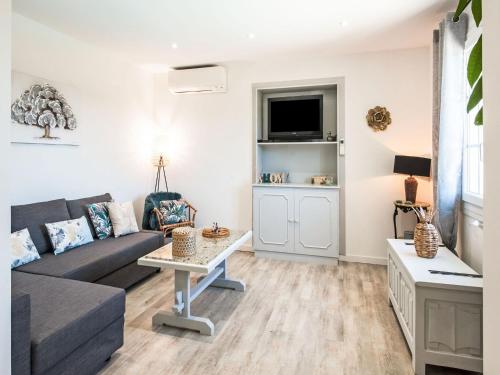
[(69, 234), (65, 314), (78, 208), (95, 260), (22, 248), (34, 217)]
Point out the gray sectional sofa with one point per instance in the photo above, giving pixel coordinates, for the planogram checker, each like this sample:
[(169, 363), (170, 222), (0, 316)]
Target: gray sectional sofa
[(68, 309)]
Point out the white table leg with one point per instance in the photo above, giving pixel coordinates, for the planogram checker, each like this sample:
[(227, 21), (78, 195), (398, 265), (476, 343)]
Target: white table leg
[(223, 281), (182, 317)]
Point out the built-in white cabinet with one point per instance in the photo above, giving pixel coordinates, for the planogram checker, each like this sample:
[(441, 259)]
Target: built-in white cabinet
[(440, 315), (296, 220), (273, 219)]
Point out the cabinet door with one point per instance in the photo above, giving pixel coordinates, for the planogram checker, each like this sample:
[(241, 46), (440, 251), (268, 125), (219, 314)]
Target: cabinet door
[(316, 222), (273, 219)]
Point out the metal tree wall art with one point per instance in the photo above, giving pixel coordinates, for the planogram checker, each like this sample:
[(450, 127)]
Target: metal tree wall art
[(45, 107)]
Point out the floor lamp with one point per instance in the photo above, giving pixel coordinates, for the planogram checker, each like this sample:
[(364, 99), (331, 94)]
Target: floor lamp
[(160, 164)]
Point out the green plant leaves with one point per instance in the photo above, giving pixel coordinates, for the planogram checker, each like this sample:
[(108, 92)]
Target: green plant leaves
[(477, 11), (476, 96), (478, 120), (475, 64), (462, 4)]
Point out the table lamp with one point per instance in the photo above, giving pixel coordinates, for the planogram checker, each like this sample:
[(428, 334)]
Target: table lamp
[(413, 166)]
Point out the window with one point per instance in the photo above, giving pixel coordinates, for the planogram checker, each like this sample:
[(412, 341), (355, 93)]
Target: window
[(473, 154)]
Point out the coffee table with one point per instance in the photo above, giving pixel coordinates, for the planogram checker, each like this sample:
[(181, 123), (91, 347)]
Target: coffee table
[(210, 259)]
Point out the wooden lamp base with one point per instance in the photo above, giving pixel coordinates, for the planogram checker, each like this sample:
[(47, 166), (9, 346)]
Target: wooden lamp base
[(411, 185)]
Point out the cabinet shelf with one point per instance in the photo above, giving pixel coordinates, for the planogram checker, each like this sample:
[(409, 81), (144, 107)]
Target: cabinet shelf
[(295, 185), (295, 143)]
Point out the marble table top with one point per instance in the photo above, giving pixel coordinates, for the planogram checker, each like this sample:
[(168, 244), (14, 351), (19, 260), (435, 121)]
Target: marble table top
[(209, 253)]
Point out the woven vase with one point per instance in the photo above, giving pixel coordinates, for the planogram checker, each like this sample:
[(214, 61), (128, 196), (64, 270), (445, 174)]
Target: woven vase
[(426, 240), (183, 242)]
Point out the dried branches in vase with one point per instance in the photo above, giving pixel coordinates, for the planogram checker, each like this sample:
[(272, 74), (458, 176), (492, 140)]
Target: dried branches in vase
[(426, 235)]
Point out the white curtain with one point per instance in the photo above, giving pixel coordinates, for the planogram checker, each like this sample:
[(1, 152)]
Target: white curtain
[(448, 124)]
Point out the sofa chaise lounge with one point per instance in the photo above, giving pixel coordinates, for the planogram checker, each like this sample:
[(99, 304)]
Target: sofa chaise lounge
[(68, 309)]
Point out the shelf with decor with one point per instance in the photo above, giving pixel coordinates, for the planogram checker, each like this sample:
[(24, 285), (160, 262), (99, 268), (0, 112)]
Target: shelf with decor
[(298, 169), (310, 143), (292, 185)]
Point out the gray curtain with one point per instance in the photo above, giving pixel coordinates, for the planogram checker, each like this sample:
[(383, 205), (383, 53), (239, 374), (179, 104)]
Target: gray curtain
[(448, 124)]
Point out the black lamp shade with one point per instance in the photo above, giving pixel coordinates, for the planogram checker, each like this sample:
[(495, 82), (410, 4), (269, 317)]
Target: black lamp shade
[(412, 165)]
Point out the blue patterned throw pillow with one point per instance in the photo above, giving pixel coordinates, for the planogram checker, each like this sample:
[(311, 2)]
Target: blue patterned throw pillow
[(68, 234), (173, 211), (22, 249), (99, 215)]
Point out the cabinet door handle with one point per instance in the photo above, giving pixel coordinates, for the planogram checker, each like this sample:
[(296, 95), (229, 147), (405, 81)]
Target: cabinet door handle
[(290, 220)]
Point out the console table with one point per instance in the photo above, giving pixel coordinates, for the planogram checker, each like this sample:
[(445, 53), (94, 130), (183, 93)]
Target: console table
[(440, 315), (406, 207)]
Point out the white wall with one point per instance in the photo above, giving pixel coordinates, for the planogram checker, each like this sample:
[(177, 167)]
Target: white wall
[(211, 144), (491, 251), (115, 121), (4, 197)]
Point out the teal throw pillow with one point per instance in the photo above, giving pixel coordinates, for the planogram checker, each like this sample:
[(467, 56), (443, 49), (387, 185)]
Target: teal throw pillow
[(99, 215), (173, 211)]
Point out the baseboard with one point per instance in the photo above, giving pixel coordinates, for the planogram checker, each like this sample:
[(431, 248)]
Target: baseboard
[(246, 248), (296, 257), (363, 259)]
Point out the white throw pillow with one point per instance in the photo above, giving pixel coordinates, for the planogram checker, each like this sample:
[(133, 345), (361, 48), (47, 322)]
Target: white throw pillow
[(22, 248), (122, 217), (69, 234)]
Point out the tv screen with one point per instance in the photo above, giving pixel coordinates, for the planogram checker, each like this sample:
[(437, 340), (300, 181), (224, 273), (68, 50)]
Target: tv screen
[(295, 117)]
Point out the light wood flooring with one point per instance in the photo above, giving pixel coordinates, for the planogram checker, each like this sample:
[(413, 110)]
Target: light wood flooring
[(294, 318)]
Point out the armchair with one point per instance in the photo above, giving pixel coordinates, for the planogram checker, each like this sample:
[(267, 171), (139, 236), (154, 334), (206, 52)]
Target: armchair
[(152, 219)]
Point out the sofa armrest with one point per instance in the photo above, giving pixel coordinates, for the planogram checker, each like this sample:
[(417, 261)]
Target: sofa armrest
[(21, 333), (161, 237)]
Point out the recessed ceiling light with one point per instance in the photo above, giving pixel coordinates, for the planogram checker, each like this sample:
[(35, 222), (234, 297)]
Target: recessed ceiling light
[(251, 36), (344, 23), (174, 45)]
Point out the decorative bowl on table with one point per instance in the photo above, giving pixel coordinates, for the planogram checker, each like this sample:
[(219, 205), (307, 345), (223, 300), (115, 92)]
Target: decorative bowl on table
[(215, 232)]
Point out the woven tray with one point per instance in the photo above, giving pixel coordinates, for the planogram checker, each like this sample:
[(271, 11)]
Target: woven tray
[(207, 233)]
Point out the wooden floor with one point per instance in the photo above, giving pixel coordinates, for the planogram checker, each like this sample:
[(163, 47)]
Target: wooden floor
[(294, 318)]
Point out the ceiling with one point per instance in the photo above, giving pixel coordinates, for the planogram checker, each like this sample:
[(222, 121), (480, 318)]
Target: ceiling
[(207, 31)]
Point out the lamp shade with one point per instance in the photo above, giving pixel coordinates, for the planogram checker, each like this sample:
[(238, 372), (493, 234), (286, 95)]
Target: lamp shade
[(412, 165)]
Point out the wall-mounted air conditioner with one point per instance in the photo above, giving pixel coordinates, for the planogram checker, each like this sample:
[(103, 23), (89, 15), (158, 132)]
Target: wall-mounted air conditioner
[(197, 80)]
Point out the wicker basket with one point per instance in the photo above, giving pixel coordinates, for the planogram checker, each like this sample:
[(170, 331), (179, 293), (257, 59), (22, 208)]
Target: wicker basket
[(183, 242), (426, 240)]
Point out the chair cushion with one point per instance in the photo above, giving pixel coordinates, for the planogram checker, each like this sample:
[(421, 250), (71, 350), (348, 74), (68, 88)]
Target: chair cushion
[(65, 314), (95, 260), (153, 200), (34, 217), (173, 212), (78, 208)]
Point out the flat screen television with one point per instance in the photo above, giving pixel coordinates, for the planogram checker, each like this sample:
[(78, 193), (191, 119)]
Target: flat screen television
[(295, 118)]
